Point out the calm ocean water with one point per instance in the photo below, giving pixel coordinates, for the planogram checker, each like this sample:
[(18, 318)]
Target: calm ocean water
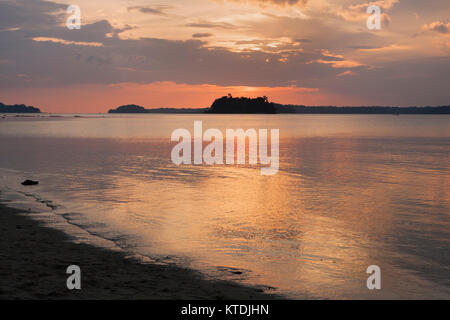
[(352, 191)]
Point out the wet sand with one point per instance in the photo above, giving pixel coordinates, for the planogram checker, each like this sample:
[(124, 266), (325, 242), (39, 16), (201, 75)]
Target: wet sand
[(34, 259)]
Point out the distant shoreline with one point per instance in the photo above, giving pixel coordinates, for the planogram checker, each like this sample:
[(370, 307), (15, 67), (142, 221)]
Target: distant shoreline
[(236, 106), (309, 110), (261, 105)]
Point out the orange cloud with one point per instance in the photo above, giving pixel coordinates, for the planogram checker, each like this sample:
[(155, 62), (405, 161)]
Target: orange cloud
[(340, 61), (340, 64), (346, 73), (392, 47), (66, 42), (437, 26)]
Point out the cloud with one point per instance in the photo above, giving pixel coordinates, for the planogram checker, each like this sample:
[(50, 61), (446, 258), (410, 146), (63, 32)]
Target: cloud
[(156, 10), (437, 26), (418, 82), (277, 2), (383, 4), (31, 15), (209, 24), (202, 35), (303, 40), (385, 49), (66, 42), (346, 73), (339, 64)]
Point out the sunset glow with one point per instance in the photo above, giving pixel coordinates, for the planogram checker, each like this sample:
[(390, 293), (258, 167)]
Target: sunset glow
[(186, 53)]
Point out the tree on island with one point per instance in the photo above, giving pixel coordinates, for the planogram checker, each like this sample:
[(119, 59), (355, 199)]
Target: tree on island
[(228, 104)]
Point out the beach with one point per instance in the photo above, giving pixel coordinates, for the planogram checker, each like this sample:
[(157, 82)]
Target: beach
[(34, 258)]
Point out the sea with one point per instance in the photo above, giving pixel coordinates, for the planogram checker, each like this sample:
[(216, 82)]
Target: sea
[(351, 192)]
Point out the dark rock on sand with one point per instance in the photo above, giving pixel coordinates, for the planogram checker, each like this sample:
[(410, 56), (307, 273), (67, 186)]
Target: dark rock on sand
[(30, 183)]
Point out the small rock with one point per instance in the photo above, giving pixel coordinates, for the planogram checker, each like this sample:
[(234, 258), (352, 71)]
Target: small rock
[(30, 183)]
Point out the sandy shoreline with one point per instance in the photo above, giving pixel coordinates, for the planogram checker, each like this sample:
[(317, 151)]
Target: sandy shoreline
[(34, 258)]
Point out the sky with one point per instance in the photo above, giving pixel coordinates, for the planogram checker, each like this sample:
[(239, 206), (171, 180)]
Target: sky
[(186, 53)]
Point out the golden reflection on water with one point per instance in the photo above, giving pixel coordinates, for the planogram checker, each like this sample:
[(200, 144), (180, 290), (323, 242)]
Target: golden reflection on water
[(312, 230)]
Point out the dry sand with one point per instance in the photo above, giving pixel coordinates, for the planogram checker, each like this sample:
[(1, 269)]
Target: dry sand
[(34, 258)]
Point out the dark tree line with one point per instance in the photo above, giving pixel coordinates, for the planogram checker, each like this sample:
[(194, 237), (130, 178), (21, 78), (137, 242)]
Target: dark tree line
[(362, 110), (261, 105), (229, 104)]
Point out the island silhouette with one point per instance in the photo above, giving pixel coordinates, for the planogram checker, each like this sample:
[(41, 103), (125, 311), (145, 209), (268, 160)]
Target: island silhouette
[(18, 108), (132, 108)]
